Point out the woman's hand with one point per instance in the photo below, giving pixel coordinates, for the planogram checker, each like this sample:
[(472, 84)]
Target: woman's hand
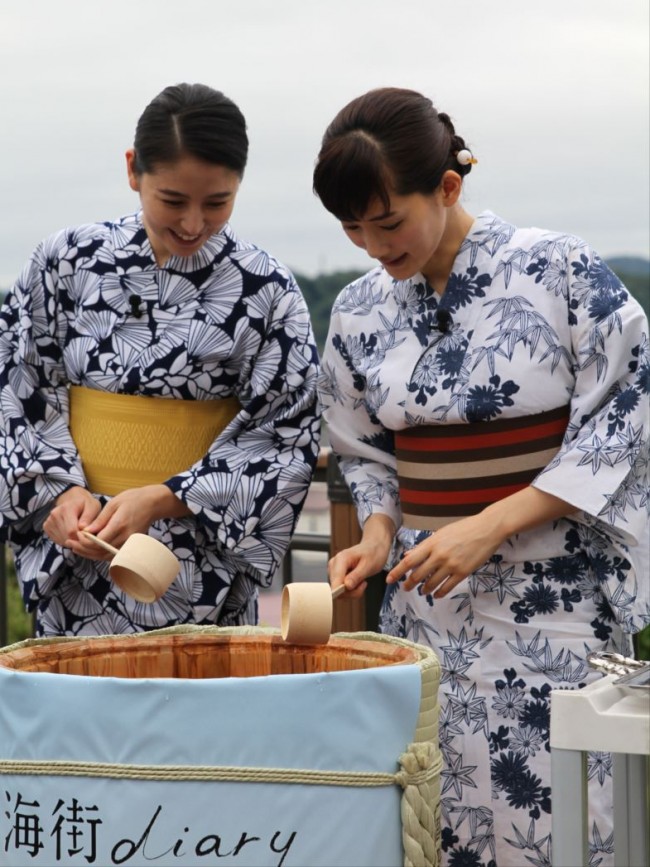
[(74, 508), (444, 559), (134, 511), (452, 553), (353, 565)]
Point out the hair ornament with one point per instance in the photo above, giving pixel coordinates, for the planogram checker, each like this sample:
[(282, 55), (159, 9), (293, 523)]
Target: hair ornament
[(465, 158)]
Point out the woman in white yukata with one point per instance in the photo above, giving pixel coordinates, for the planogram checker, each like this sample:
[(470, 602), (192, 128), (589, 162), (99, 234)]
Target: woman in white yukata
[(158, 375), (486, 390)]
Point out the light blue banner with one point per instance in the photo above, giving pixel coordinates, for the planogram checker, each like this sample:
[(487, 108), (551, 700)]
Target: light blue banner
[(343, 721)]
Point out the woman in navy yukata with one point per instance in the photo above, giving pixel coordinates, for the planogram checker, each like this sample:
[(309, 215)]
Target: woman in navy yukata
[(486, 390), (158, 375)]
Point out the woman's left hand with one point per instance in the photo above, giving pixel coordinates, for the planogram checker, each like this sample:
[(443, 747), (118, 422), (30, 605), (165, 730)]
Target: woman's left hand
[(444, 559), (132, 511), (452, 553)]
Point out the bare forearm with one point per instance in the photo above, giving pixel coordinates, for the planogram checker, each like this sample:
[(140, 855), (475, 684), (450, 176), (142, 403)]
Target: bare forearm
[(525, 510)]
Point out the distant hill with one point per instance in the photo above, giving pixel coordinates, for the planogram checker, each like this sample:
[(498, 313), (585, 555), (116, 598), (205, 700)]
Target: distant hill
[(634, 272), (320, 292), (630, 265)]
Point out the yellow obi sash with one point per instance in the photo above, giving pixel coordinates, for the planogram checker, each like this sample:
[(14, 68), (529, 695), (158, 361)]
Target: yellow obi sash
[(126, 440)]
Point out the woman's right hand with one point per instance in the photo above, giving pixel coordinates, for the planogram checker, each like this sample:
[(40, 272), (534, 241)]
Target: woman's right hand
[(74, 509), (352, 566)]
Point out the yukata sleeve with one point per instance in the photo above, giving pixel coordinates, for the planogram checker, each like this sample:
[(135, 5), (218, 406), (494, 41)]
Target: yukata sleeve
[(248, 491), (363, 447), (603, 466), (38, 458)]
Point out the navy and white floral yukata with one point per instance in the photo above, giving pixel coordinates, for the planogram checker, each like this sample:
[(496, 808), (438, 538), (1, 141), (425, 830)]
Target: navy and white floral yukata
[(535, 321), (226, 321)]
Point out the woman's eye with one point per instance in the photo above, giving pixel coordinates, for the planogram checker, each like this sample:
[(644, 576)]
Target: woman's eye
[(172, 203), (392, 226)]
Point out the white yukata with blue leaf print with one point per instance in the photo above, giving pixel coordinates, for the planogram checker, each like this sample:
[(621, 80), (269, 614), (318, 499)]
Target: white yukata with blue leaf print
[(228, 321), (537, 322)]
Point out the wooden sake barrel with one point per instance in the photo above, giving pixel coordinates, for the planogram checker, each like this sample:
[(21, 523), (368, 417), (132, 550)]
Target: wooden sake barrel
[(199, 745)]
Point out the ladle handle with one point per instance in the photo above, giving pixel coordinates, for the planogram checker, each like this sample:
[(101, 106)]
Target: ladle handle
[(100, 542)]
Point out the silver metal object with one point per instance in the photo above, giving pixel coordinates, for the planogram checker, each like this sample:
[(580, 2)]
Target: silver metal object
[(632, 672)]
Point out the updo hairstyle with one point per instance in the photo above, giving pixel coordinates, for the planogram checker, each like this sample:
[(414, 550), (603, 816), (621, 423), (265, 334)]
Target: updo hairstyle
[(390, 140), (194, 120)]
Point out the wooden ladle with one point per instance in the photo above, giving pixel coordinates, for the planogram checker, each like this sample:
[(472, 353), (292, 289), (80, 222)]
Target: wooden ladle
[(143, 567), (307, 611)]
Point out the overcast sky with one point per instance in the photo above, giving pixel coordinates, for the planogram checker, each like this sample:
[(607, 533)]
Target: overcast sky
[(552, 97)]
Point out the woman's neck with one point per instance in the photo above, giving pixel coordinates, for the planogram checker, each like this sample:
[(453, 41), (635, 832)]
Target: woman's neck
[(458, 225)]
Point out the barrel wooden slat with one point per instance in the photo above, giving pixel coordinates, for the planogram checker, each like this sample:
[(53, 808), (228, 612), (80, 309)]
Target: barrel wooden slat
[(201, 656)]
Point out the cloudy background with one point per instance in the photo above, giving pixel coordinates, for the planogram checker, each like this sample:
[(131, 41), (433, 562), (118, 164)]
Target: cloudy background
[(551, 96)]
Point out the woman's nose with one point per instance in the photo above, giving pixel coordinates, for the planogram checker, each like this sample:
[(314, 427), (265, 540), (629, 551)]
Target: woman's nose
[(374, 245), (192, 221)]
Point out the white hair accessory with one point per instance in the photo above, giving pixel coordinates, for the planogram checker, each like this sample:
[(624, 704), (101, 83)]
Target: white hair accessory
[(465, 158)]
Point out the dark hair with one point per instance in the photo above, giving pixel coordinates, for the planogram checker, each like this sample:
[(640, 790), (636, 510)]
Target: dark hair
[(388, 140), (191, 119)]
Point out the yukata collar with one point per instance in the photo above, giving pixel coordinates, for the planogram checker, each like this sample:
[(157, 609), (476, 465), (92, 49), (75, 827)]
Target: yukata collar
[(474, 264), (487, 233), (134, 235), (486, 229), (212, 251)]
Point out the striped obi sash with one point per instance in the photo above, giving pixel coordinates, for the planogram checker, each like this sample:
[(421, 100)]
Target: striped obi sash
[(129, 440), (447, 472)]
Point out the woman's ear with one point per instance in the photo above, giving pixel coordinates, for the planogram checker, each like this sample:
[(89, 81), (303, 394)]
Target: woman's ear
[(134, 178), (451, 187)]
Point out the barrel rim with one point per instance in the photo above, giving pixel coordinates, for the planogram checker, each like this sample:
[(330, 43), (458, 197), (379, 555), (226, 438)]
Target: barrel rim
[(35, 652)]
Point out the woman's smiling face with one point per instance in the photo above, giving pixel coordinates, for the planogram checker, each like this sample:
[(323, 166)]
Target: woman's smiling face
[(404, 237), (183, 203)]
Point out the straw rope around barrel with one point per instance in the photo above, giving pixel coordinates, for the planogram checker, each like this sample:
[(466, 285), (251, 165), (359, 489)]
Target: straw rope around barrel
[(409, 774), (419, 765)]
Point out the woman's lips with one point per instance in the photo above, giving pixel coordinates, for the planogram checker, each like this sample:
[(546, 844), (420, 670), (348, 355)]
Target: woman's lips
[(187, 240), (391, 263)]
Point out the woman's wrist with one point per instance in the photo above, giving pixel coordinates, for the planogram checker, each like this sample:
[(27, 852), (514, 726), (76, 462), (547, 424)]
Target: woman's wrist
[(164, 503), (379, 529), (525, 510)]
